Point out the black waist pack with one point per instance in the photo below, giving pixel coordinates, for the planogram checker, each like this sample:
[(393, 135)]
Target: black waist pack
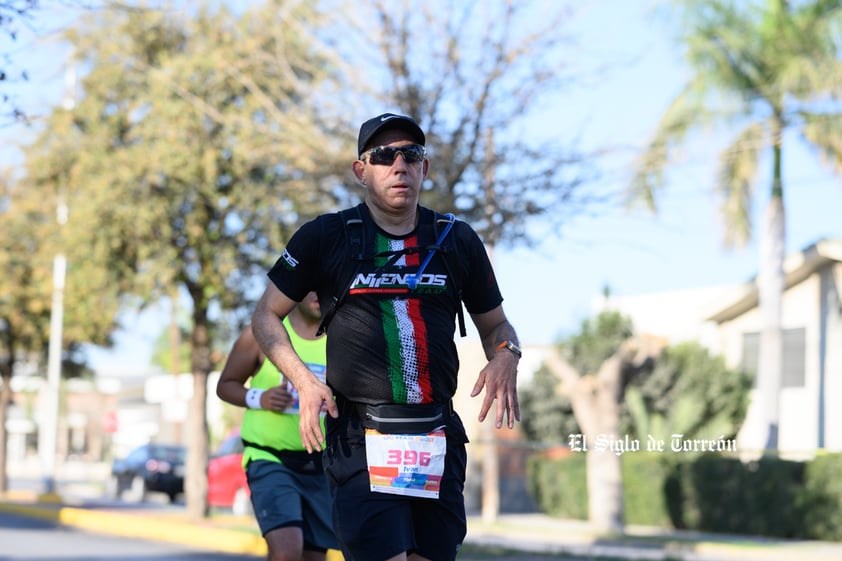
[(391, 418), (301, 461)]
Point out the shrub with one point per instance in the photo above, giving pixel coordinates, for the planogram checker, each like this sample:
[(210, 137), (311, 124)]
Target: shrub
[(559, 486), (770, 497), (644, 500), (821, 499)]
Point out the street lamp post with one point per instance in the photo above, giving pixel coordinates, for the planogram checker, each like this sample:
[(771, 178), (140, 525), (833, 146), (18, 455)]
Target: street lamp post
[(49, 432)]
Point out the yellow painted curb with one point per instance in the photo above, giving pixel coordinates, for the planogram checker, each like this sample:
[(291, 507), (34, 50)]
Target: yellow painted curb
[(147, 527), (204, 536), (39, 512), (50, 498), (207, 537)]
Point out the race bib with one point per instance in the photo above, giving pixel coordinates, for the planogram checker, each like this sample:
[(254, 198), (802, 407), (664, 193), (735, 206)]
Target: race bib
[(406, 464), (319, 371)]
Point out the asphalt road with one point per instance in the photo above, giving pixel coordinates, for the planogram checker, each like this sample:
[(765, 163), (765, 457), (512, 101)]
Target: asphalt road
[(30, 539)]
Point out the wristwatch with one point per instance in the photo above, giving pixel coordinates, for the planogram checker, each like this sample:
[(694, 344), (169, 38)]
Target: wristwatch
[(507, 344)]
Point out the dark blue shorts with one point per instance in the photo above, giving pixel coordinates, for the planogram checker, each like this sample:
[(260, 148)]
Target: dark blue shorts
[(375, 526), (282, 497)]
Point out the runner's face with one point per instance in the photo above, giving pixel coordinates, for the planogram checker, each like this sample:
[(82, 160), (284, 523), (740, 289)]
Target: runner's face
[(309, 307), (396, 187)]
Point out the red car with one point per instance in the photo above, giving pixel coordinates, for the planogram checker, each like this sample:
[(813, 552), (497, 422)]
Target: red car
[(227, 487)]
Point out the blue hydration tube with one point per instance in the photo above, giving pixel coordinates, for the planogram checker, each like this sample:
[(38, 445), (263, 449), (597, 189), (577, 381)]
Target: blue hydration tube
[(412, 280)]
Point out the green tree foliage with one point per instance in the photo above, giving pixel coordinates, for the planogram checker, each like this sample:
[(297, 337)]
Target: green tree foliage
[(26, 282), (201, 140), (24, 309), (766, 73), (547, 411), (688, 392), (598, 339), (546, 414)]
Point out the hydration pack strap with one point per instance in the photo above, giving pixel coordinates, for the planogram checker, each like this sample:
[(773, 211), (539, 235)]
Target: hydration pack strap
[(355, 231)]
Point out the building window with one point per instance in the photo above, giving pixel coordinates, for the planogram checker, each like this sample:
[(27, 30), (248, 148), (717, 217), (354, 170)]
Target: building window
[(795, 342), (794, 357)]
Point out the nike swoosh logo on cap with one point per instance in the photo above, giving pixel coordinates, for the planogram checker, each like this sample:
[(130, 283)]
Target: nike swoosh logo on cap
[(386, 118)]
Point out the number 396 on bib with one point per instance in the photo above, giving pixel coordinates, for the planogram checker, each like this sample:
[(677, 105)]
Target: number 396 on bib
[(406, 464)]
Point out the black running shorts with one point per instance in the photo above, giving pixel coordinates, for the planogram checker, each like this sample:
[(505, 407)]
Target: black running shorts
[(375, 526)]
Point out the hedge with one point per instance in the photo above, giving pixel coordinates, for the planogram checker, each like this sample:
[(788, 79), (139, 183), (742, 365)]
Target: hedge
[(714, 493)]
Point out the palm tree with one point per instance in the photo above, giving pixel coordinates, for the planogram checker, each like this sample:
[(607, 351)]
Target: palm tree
[(764, 70)]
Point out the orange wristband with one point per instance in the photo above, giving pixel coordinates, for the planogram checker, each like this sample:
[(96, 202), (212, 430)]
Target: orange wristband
[(509, 345)]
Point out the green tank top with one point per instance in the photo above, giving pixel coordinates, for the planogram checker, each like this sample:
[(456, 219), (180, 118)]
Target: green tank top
[(273, 429)]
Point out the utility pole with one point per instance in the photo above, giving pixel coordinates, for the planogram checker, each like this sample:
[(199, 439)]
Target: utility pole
[(48, 438), (49, 432)]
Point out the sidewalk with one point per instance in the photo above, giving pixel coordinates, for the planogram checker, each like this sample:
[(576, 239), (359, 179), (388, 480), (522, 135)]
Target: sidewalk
[(539, 533), (528, 533)]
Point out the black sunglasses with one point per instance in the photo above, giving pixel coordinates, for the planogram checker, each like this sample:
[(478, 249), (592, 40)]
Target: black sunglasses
[(385, 155)]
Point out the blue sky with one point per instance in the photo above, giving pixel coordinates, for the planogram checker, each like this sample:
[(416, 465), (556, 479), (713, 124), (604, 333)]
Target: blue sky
[(548, 291)]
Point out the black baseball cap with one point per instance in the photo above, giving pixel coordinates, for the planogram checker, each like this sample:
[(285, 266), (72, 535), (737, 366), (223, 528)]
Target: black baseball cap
[(388, 121)]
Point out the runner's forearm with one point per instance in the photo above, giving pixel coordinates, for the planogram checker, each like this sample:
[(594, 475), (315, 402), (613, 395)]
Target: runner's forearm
[(275, 343)]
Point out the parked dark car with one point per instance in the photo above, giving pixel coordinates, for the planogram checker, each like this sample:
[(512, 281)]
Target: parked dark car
[(149, 468), (227, 486)]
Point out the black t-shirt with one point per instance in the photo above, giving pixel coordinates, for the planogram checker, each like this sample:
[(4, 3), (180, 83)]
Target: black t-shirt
[(389, 343)]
